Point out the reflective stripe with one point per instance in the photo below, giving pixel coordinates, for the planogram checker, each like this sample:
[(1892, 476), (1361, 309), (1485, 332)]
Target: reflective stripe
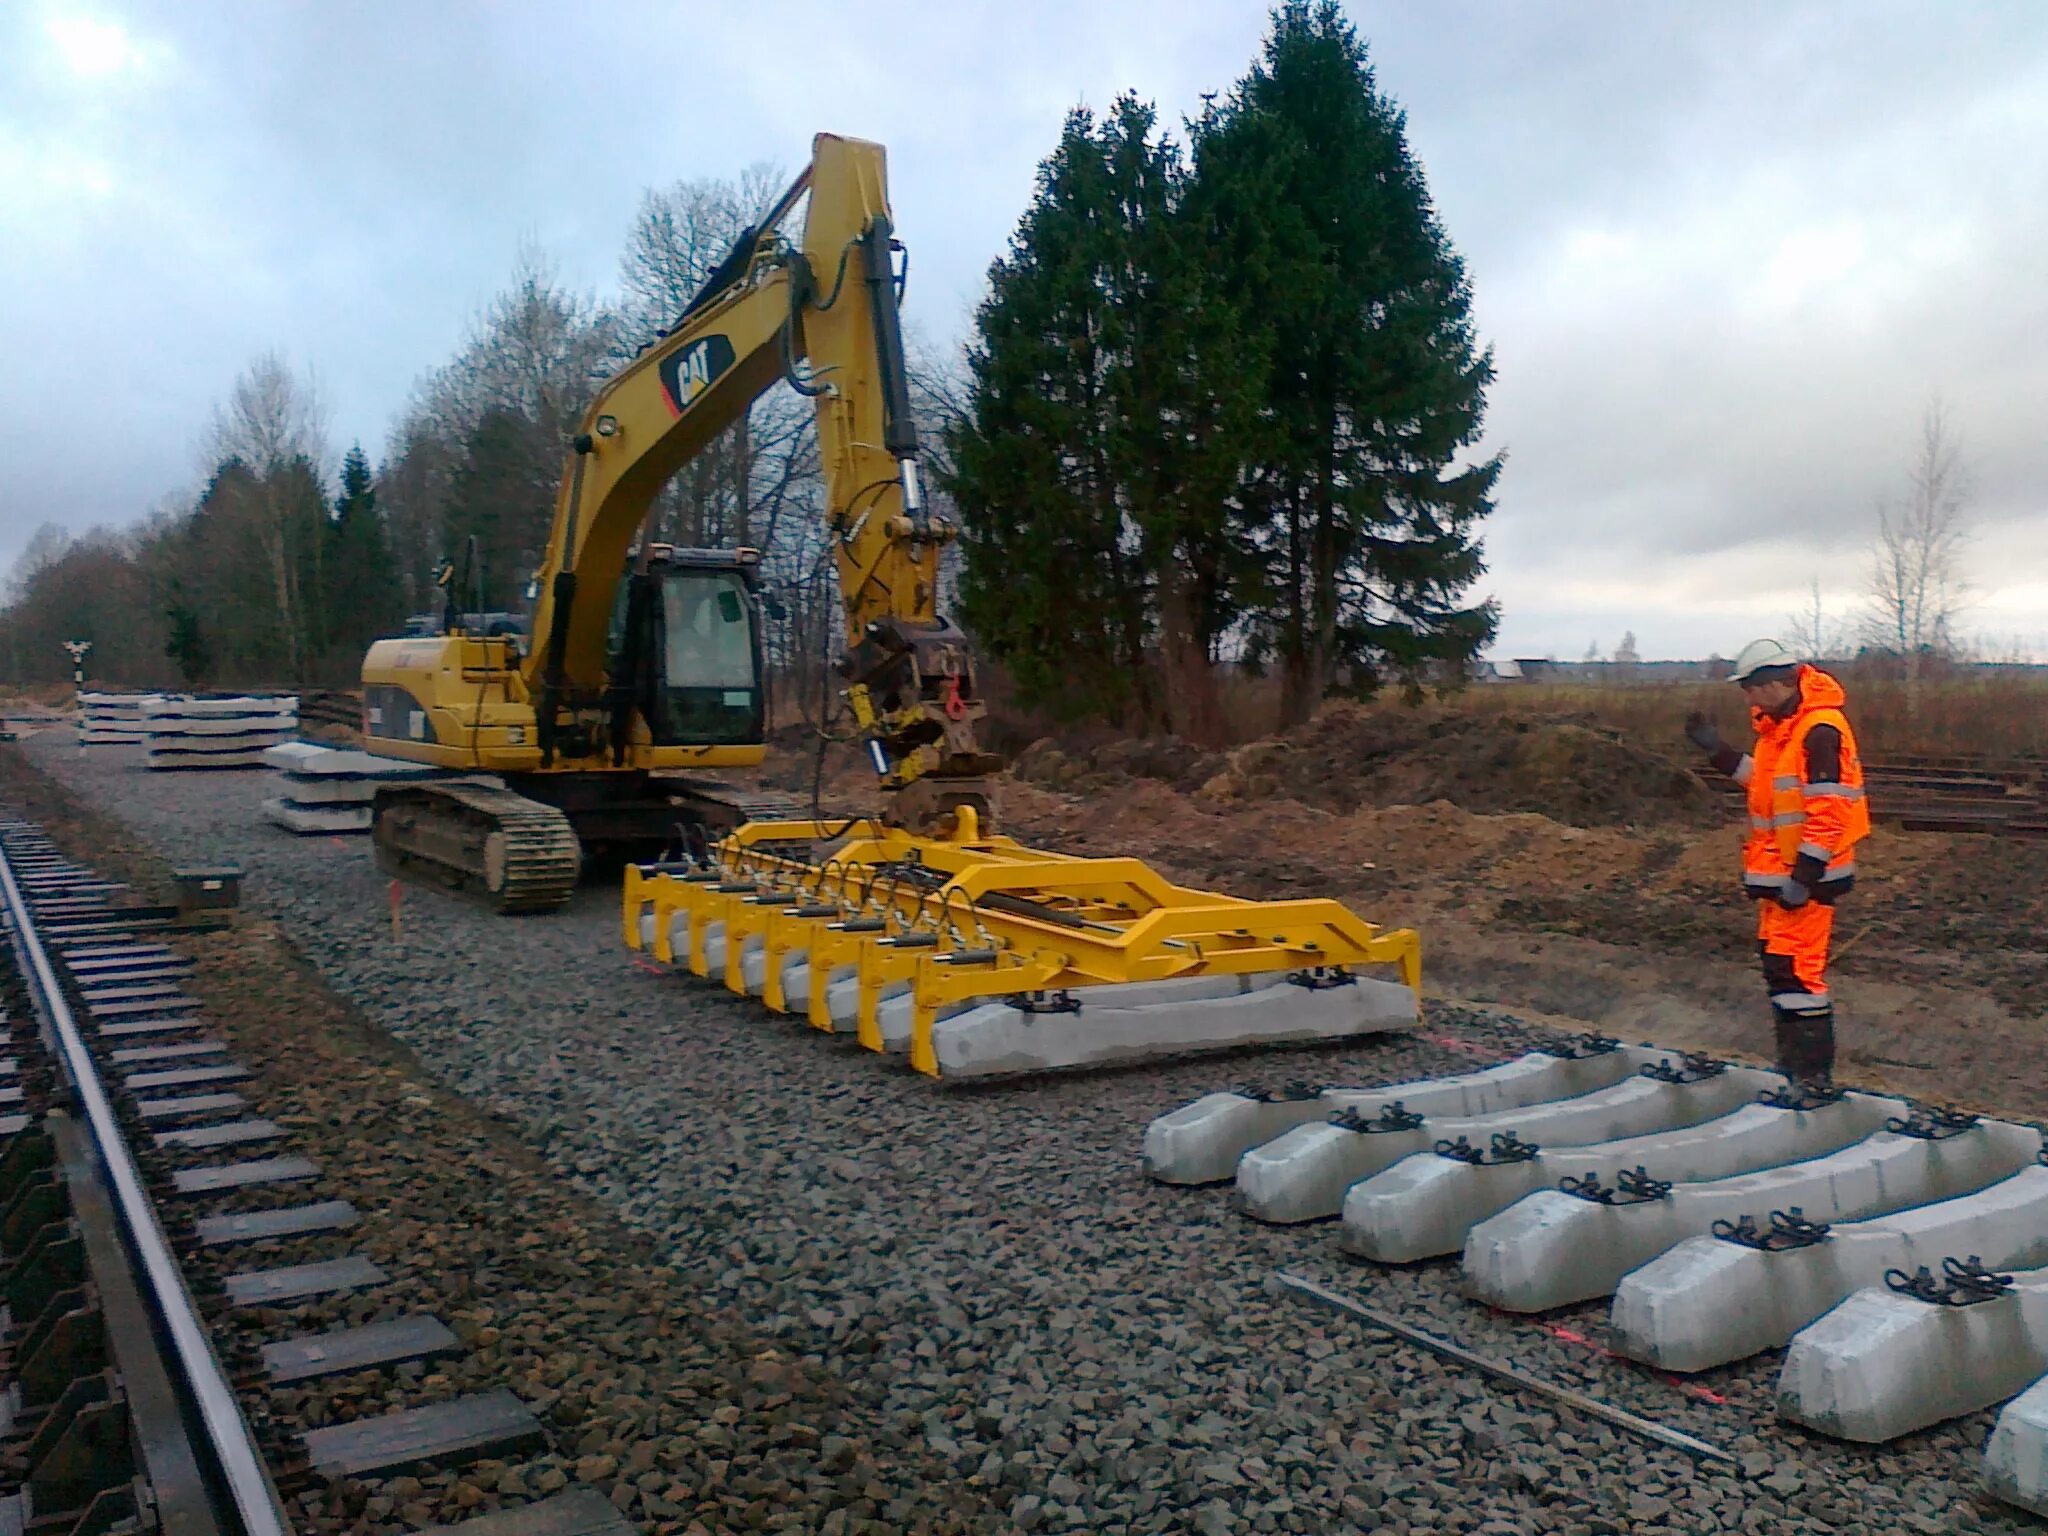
[(1814, 851), (1785, 781), (1789, 819), (1759, 823), (1802, 1002), (1827, 791), (1836, 875)]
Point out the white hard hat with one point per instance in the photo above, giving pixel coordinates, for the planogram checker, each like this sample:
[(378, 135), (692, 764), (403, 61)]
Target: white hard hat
[(1758, 655)]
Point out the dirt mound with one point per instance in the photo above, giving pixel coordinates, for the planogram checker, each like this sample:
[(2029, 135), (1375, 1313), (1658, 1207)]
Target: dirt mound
[(1351, 758), (1081, 770)]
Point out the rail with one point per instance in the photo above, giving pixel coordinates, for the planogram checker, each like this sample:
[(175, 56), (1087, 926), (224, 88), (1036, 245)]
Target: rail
[(2002, 797), (318, 706), (227, 1451)]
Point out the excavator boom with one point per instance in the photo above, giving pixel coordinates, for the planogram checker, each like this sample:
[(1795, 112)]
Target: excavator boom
[(584, 727), (825, 302)]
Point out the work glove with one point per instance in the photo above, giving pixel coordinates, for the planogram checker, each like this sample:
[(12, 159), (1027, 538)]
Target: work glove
[(1793, 894), (1704, 733)]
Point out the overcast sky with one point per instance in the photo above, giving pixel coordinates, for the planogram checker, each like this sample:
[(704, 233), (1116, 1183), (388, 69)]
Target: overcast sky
[(1724, 252)]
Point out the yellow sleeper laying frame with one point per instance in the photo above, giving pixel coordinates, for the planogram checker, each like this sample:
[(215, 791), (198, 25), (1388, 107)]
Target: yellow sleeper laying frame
[(975, 917)]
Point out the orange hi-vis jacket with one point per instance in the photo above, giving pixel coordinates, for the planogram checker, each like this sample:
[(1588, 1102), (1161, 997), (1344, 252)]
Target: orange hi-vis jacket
[(1792, 813)]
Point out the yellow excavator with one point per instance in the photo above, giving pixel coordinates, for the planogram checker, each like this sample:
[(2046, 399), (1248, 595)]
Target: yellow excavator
[(643, 666), (920, 928)]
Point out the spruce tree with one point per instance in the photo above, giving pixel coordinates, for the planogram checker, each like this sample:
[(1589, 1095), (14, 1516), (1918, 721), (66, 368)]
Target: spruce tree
[(1092, 467), (1188, 417), (186, 645), (1045, 585), (363, 597), (1322, 229)]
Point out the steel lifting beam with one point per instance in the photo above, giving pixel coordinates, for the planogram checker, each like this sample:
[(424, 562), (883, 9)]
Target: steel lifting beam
[(971, 917)]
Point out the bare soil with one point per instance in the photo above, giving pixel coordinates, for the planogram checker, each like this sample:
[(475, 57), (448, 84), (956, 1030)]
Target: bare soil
[(1556, 869), (1349, 757)]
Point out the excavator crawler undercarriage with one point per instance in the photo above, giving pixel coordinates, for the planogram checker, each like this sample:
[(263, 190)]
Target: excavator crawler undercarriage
[(520, 854), (479, 839)]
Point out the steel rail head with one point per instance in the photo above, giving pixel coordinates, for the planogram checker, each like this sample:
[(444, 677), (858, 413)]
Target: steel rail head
[(1514, 1376), (257, 1509)]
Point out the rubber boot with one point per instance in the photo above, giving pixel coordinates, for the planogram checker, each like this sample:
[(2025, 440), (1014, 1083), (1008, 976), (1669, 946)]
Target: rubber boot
[(1806, 1051)]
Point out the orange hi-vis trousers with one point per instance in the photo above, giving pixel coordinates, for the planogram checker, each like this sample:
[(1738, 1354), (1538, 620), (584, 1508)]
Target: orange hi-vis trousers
[(1794, 945)]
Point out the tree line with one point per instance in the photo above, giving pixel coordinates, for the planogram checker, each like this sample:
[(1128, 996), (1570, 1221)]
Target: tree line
[(1218, 409)]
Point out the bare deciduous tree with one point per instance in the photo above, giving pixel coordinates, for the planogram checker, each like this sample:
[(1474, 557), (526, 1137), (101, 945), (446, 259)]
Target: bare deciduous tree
[(679, 237), (1916, 582), (537, 348), (681, 234), (45, 548), (525, 372), (275, 426), (1812, 631)]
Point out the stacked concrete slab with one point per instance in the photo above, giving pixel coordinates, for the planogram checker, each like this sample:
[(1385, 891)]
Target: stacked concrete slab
[(330, 789), (183, 731), (111, 719), (1872, 1236)]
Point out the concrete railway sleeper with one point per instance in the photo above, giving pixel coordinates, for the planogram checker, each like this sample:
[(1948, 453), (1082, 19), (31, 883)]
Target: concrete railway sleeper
[(974, 956), (1898, 1249), (116, 1274), (1305, 1174)]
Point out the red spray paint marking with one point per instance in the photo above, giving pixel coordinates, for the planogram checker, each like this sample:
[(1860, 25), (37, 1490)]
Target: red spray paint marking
[(642, 963), (1452, 1043), (1570, 1336), (338, 843)]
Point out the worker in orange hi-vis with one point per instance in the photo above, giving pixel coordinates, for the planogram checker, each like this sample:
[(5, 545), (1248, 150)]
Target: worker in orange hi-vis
[(1806, 816)]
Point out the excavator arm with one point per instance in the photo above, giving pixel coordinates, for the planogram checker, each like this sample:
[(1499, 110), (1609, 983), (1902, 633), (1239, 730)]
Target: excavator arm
[(825, 301)]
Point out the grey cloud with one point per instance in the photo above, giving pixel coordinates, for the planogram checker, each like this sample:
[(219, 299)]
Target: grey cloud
[(1638, 191)]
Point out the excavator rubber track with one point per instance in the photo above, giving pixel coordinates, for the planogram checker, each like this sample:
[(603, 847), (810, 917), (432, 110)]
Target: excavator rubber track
[(478, 839)]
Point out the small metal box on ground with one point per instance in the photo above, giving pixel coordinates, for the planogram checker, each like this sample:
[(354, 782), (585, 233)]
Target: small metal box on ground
[(207, 893)]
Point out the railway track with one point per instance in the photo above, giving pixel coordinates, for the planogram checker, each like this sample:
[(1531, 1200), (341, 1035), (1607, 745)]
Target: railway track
[(321, 706), (149, 1212), (2003, 797)]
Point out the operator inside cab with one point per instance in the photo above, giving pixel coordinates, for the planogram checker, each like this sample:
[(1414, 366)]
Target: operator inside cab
[(1806, 816)]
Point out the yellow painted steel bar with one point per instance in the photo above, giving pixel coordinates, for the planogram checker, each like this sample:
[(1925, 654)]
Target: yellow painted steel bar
[(969, 917)]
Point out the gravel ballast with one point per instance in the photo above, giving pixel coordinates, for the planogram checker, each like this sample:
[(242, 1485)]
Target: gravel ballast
[(985, 1271)]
